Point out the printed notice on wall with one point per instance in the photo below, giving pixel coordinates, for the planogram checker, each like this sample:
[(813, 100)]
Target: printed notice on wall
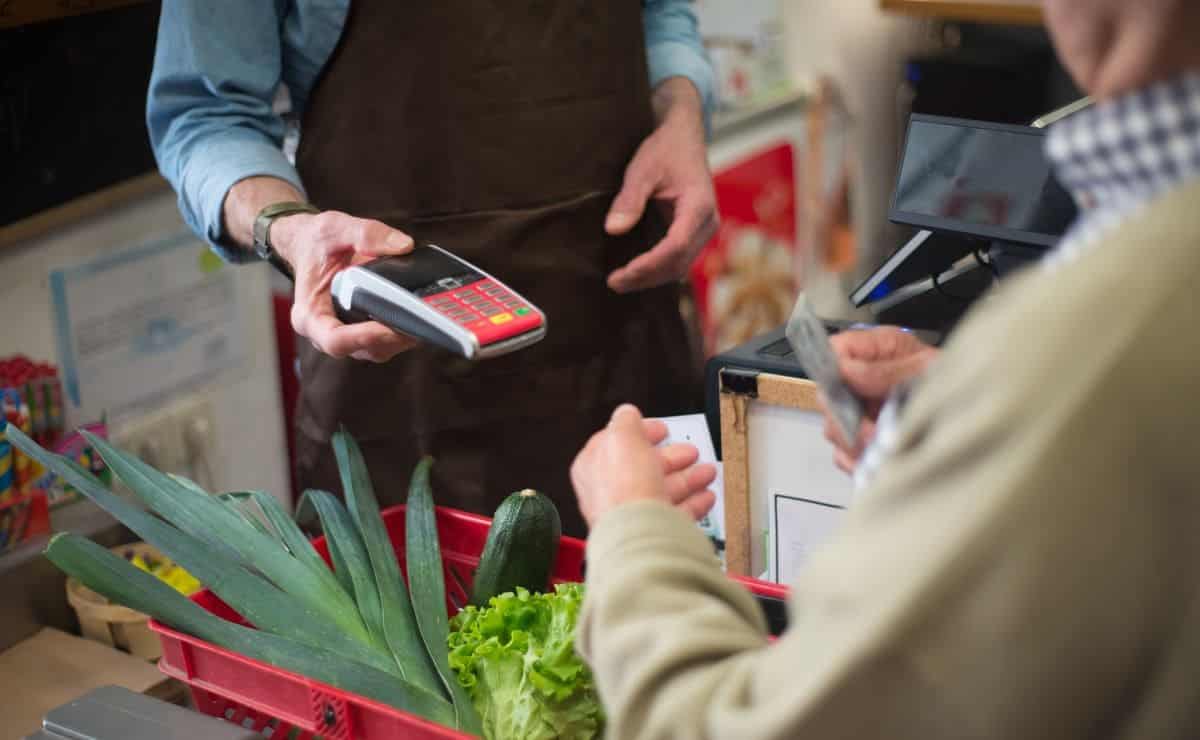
[(142, 324), (798, 526)]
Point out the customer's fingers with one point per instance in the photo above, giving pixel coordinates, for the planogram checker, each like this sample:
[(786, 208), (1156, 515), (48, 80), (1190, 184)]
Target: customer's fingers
[(678, 457), (844, 461), (656, 430), (698, 504), (684, 483)]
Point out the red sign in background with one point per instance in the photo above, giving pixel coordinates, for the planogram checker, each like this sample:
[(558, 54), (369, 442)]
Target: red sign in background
[(744, 279)]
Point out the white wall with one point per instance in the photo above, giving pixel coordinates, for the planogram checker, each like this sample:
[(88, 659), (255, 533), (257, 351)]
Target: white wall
[(862, 48), (251, 451)]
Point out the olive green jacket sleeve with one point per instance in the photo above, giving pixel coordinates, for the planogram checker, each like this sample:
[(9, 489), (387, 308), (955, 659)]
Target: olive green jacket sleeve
[(1027, 565)]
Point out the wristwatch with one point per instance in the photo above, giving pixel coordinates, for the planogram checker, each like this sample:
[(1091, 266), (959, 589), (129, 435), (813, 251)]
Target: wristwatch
[(262, 231)]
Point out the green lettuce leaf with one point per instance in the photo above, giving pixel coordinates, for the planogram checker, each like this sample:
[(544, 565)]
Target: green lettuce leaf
[(516, 658)]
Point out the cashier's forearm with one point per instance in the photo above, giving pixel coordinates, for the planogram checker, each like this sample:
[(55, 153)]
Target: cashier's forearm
[(244, 201)]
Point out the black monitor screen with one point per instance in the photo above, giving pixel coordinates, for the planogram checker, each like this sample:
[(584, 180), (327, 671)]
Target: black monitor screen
[(981, 179)]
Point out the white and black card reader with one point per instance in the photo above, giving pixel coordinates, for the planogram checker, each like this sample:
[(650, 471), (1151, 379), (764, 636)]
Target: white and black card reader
[(440, 298)]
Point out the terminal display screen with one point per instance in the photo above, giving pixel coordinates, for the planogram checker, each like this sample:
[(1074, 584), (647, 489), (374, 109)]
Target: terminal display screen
[(980, 179)]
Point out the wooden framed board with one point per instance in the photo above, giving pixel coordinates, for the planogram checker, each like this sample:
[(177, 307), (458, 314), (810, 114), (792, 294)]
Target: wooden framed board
[(774, 450)]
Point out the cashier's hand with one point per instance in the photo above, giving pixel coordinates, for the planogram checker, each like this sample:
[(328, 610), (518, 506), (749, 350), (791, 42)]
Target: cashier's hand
[(873, 362), (670, 168), (622, 464), (320, 245)]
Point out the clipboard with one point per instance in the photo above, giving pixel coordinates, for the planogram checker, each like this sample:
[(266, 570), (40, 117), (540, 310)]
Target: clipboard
[(773, 445)]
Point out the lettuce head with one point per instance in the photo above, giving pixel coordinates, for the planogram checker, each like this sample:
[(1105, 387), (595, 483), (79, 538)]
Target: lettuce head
[(516, 658)]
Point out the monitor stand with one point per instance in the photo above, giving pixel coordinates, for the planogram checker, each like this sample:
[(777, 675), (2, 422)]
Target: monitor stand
[(939, 300), (926, 253), (1010, 258)]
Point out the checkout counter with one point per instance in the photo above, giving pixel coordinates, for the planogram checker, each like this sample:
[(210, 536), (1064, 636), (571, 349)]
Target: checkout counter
[(985, 204)]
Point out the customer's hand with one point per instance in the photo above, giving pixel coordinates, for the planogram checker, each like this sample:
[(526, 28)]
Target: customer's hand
[(873, 362), (320, 245), (670, 168), (621, 464)]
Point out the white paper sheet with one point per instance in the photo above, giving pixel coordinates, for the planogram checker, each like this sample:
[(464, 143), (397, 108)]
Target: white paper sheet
[(788, 453), (693, 429), (143, 323), (798, 526)]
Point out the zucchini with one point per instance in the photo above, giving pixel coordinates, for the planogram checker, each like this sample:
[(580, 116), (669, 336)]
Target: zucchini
[(427, 582), (521, 547)]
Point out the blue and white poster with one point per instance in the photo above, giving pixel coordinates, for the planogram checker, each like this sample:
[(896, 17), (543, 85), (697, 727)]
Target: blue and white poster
[(137, 326)]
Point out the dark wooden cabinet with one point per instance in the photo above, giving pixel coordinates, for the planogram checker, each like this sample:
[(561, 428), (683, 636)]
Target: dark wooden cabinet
[(72, 101)]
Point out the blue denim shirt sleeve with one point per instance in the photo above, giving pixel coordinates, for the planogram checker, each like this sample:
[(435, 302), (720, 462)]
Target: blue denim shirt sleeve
[(218, 66), (674, 48), (209, 109)]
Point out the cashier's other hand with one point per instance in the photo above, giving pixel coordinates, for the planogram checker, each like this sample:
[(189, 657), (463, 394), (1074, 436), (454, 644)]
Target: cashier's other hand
[(670, 169), (873, 362), (621, 464), (318, 246)]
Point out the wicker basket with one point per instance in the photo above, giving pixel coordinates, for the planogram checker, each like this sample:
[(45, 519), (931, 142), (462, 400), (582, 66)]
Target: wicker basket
[(112, 624)]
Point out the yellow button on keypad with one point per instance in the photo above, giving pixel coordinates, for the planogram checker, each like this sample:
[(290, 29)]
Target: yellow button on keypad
[(503, 318)]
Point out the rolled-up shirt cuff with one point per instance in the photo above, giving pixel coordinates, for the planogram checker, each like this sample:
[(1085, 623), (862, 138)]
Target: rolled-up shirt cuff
[(677, 59), (227, 161)]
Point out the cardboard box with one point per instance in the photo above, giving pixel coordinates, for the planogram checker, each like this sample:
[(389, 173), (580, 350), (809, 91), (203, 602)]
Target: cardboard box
[(53, 667)]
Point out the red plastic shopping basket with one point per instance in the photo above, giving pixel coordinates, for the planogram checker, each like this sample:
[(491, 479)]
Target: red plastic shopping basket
[(281, 704)]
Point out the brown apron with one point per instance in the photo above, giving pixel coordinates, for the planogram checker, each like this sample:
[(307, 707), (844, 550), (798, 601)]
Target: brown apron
[(499, 130)]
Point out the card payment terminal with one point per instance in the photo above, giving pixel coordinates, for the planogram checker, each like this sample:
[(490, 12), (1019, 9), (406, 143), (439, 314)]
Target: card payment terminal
[(436, 296)]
